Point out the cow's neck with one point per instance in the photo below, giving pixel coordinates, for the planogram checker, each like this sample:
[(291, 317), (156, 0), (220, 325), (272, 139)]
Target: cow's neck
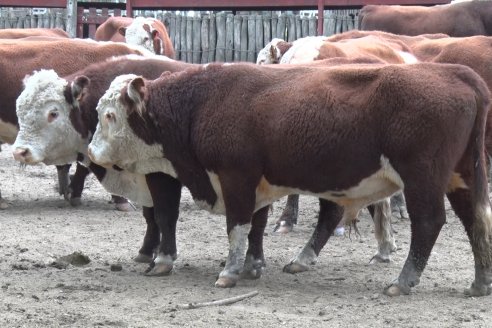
[(168, 121)]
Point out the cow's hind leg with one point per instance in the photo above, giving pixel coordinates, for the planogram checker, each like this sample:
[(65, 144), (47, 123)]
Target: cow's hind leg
[(166, 194), (151, 239), (289, 216), (478, 229), (255, 259), (381, 215), (427, 215), (398, 207), (330, 215)]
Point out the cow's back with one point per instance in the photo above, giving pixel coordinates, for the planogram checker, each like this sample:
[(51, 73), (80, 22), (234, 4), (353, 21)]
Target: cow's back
[(18, 33), (64, 56), (108, 31), (460, 19)]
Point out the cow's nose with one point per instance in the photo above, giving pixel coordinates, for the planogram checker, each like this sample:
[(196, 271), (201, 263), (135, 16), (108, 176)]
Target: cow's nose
[(89, 153), (20, 154)]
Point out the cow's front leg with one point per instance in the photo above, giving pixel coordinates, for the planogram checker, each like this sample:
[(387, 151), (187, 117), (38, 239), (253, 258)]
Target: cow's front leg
[(255, 259), (383, 231), (239, 195), (166, 194), (63, 180), (152, 238), (77, 182), (330, 215), (427, 216), (289, 216)]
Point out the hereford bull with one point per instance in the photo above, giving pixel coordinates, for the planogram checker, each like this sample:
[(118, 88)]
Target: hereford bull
[(65, 56), (241, 136), (53, 108), (456, 19), (147, 32)]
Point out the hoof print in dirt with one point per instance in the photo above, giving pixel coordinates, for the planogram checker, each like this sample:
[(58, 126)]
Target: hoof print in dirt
[(76, 259), (116, 267)]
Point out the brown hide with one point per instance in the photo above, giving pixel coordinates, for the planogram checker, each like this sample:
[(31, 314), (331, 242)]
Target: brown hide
[(64, 56), (459, 19), (18, 33), (300, 127), (100, 76), (109, 30), (369, 46)]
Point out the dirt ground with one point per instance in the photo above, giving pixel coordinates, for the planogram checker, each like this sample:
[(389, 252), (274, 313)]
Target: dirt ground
[(342, 290)]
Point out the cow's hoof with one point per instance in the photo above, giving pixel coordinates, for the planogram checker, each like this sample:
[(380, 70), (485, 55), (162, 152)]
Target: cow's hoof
[(3, 204), (252, 274), (226, 282), (380, 258), (160, 269), (124, 207), (76, 201), (142, 258), (294, 267), (396, 290), (478, 291), (283, 227)]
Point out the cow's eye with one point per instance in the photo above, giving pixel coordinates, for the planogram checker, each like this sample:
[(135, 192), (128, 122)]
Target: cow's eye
[(52, 116), (109, 117), (146, 39)]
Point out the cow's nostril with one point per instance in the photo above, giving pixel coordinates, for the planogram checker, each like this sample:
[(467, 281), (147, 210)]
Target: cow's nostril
[(20, 154)]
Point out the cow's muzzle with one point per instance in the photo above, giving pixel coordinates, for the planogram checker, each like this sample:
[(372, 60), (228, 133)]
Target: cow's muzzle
[(22, 155)]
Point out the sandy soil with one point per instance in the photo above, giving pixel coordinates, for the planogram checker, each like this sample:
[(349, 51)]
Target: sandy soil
[(342, 290)]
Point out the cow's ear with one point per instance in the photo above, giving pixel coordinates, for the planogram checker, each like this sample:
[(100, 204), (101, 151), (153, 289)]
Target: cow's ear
[(78, 86), (273, 52), (136, 92), (122, 31)]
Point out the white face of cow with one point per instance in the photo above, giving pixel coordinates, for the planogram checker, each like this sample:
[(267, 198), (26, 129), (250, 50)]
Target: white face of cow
[(46, 133), (115, 143), (141, 33), (270, 54)]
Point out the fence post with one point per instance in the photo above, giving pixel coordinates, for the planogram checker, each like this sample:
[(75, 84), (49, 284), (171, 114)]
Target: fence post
[(205, 34), (72, 18), (251, 38), (259, 35), (197, 42), (291, 30), (267, 27), (229, 38), (182, 30), (244, 37), (221, 40), (212, 41), (237, 37), (189, 39)]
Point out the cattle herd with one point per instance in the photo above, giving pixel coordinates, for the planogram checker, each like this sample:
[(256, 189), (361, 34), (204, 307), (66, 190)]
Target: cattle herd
[(351, 119)]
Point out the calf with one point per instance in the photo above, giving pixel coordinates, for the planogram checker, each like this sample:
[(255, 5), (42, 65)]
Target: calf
[(53, 109), (147, 32), (17, 59), (456, 19), (241, 136)]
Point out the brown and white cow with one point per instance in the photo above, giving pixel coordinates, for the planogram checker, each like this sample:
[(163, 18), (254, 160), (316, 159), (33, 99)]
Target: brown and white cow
[(457, 19), (147, 32), (305, 51), (53, 108), (241, 136), (18, 59), (20, 33)]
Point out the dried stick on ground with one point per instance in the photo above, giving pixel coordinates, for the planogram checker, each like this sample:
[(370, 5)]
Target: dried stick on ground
[(225, 301)]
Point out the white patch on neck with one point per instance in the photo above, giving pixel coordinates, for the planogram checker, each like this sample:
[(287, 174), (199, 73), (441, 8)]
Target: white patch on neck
[(303, 50), (408, 58), (129, 185)]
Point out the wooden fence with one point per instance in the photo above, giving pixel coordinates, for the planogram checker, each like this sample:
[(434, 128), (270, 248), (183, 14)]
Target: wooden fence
[(202, 37)]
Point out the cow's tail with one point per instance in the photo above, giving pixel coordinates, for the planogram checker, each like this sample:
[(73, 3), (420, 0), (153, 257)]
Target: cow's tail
[(482, 223)]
